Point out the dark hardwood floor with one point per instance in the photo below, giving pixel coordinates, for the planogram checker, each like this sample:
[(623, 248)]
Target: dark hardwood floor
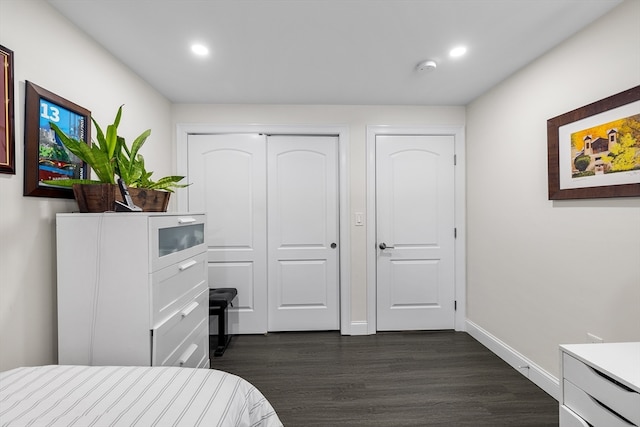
[(387, 379)]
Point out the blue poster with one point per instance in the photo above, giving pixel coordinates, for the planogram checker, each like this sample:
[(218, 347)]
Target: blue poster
[(55, 161)]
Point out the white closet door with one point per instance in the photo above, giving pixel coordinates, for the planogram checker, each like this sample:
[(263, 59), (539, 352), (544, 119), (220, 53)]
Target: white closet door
[(303, 233), (415, 232), (227, 173)]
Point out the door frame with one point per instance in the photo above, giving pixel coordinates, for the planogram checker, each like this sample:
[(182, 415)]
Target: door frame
[(460, 284), (183, 130)]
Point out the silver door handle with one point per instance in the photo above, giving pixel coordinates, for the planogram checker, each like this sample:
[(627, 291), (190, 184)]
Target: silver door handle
[(384, 246)]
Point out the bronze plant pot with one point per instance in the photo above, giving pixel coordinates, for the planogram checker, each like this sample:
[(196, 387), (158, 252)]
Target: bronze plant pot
[(95, 198)]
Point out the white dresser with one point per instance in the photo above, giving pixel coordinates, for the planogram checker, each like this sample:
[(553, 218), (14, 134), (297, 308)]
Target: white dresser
[(600, 385), (132, 289)]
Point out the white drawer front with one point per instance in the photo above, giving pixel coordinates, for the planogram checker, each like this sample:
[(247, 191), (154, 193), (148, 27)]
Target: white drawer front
[(589, 409), (175, 238), (176, 285), (568, 418), (621, 400), (173, 337), (196, 354)]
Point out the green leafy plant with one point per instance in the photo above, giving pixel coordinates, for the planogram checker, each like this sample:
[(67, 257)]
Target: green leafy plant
[(582, 163), (109, 156)]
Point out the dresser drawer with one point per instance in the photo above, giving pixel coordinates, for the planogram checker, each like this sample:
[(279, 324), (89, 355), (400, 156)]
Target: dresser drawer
[(605, 390), (568, 418), (175, 238), (194, 351), (590, 409), (174, 336), (174, 286)]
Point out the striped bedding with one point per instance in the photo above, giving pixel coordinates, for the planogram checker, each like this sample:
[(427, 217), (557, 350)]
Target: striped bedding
[(130, 396)]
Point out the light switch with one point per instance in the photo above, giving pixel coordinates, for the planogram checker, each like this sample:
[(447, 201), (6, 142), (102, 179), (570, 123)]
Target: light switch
[(359, 218)]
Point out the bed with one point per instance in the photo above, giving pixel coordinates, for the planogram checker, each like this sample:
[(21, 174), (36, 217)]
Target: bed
[(63, 395)]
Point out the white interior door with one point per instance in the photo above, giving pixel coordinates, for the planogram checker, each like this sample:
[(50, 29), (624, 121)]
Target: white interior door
[(415, 221), (303, 233), (227, 175)]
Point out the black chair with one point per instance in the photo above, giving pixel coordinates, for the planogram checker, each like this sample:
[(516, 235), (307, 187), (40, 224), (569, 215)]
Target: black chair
[(219, 300)]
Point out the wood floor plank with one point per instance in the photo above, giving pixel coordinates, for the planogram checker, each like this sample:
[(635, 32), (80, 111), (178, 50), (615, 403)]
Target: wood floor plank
[(389, 379)]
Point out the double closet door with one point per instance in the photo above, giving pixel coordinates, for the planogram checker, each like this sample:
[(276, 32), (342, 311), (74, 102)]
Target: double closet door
[(272, 226)]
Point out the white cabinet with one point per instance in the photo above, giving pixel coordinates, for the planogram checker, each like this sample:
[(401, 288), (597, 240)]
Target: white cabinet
[(600, 385), (132, 289)]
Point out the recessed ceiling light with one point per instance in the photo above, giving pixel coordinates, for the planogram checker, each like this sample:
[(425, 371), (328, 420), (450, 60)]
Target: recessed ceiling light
[(199, 49), (458, 51)]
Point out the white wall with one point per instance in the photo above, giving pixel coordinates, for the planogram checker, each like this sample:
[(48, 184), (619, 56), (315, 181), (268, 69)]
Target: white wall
[(541, 273), (54, 55), (356, 118)]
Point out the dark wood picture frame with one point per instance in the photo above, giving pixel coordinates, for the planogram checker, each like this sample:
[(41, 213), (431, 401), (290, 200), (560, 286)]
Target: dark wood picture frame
[(44, 157), (553, 140), (7, 129)]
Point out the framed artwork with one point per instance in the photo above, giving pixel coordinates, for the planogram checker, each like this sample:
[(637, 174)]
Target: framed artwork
[(7, 132), (594, 151), (45, 158)]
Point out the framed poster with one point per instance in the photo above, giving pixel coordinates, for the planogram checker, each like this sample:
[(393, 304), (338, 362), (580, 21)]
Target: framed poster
[(7, 131), (45, 157), (594, 151)]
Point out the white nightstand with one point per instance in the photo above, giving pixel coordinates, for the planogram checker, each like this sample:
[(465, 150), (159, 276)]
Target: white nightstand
[(600, 385)]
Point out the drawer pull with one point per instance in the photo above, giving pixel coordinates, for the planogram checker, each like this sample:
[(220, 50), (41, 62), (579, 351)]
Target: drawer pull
[(611, 411), (186, 220), (611, 380), (187, 264), (187, 311), (187, 354)]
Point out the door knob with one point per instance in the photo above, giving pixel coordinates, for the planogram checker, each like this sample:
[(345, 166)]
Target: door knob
[(333, 246), (384, 246)]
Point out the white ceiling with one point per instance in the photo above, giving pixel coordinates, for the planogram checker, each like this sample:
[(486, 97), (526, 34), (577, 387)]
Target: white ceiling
[(328, 51)]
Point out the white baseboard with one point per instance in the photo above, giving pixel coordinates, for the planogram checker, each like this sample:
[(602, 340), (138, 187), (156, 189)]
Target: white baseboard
[(359, 328), (535, 373)]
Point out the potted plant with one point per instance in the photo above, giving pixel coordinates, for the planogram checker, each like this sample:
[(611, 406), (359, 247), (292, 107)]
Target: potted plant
[(110, 157)]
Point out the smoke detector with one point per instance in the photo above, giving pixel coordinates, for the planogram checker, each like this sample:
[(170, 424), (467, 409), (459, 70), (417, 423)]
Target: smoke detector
[(426, 66)]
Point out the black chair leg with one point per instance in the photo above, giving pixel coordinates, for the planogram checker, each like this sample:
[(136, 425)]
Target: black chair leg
[(219, 300), (223, 337)]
